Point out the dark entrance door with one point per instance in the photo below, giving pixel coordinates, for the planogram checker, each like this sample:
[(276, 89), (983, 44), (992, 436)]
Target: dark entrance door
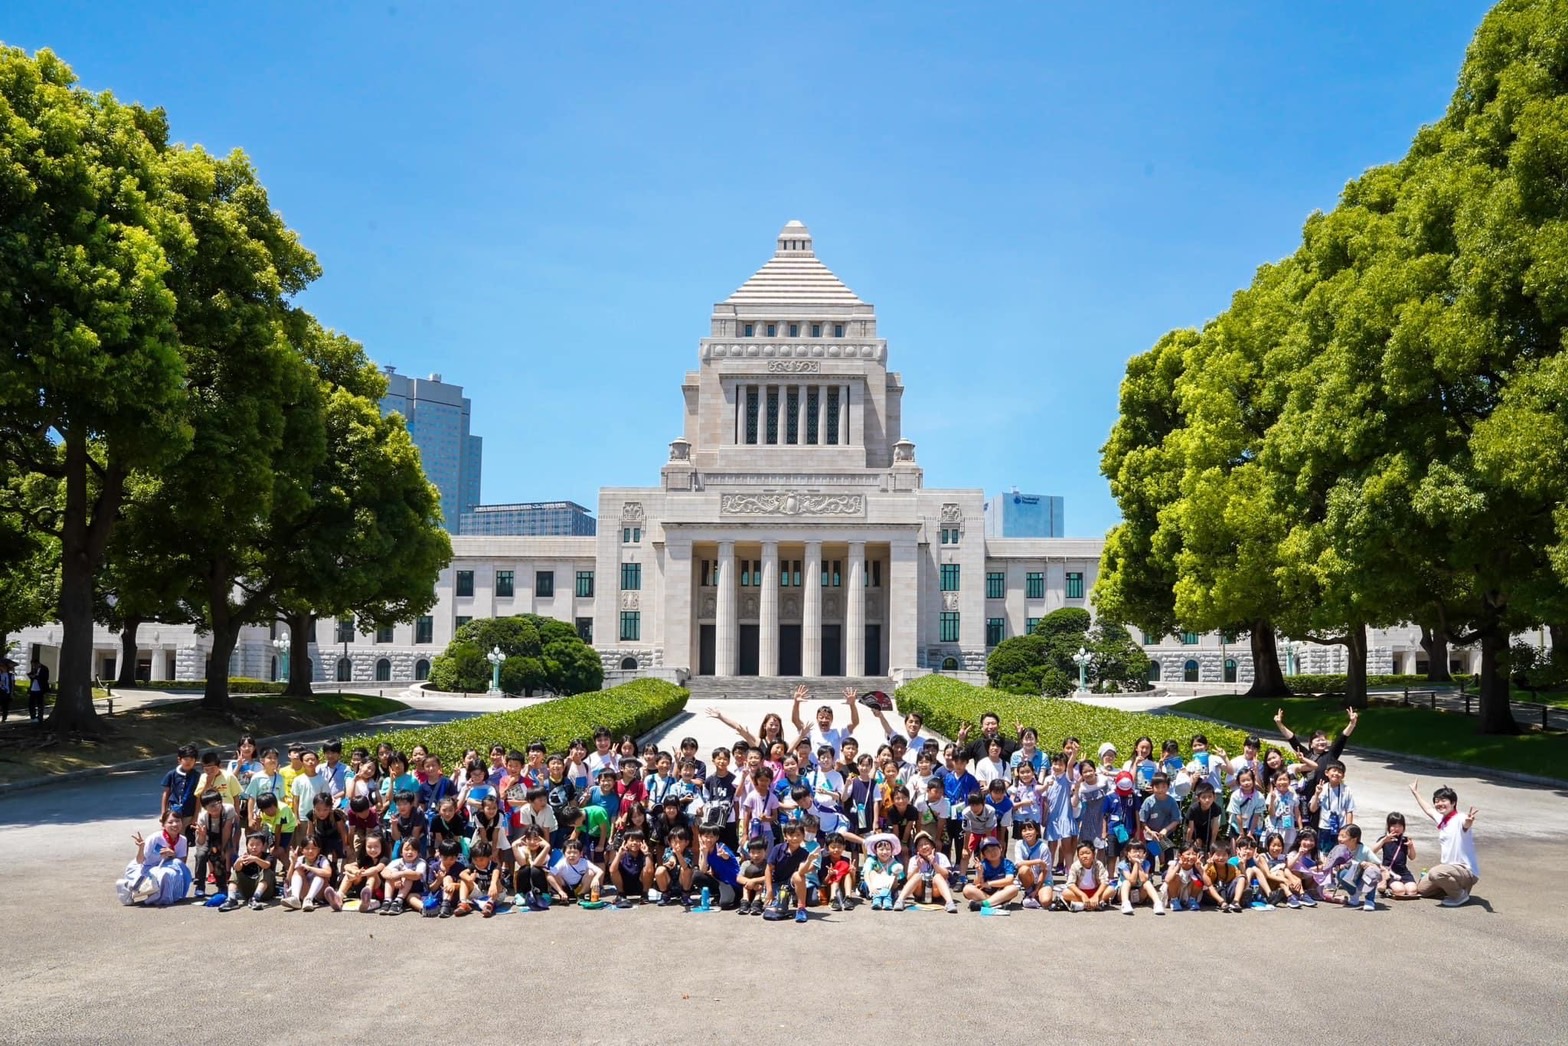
[(748, 650), (832, 650), (705, 648), (873, 650), (789, 650)]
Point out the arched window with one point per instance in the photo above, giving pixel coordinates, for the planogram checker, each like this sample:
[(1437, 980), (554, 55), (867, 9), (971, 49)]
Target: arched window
[(950, 664), (383, 671), (345, 670), (628, 664), (1191, 674), (1230, 670), (1154, 671), (422, 670)]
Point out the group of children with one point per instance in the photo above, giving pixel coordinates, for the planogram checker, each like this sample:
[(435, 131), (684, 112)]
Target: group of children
[(772, 827)]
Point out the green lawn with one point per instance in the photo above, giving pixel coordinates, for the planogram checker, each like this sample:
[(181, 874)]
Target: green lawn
[(1414, 731)]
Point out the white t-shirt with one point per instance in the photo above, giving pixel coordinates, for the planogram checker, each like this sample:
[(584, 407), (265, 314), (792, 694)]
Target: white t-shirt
[(1335, 802), (833, 735), (826, 787), (571, 874), (304, 790), (1455, 845), (988, 770)]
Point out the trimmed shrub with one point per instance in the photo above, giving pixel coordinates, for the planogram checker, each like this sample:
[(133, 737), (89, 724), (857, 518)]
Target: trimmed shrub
[(542, 655), (947, 703), (237, 685), (632, 708), (1312, 685)]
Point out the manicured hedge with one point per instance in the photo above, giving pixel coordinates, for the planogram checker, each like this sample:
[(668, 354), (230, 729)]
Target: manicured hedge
[(237, 685), (1335, 684), (946, 703), (632, 708)]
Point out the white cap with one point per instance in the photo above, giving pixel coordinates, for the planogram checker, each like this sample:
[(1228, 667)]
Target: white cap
[(1106, 747)]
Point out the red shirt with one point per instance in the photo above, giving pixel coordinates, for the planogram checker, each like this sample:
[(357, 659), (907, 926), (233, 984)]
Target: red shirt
[(631, 792)]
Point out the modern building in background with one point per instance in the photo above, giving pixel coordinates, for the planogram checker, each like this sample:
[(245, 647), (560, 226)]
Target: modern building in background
[(1015, 515), (529, 518), (438, 420)]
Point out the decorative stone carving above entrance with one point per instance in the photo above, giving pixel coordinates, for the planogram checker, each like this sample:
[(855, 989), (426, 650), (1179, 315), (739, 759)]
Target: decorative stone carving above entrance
[(709, 606), (793, 503), (951, 513), (632, 512), (794, 367), (749, 607)]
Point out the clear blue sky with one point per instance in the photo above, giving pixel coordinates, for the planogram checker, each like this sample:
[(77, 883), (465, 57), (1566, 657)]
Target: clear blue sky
[(543, 202)]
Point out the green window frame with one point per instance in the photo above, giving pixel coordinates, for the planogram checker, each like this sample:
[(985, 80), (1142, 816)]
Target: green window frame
[(1029, 623), (1074, 585), (631, 626), (995, 630), (505, 583), (950, 577), (631, 577), (1189, 639), (1034, 584), (585, 584), (424, 629), (949, 626), (995, 584)]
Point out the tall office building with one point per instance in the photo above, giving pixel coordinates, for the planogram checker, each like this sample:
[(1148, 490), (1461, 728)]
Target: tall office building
[(1016, 515), (529, 518), (437, 415)]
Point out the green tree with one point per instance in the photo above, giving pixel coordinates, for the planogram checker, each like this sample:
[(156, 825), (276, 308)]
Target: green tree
[(91, 388), (541, 654), (1042, 661)]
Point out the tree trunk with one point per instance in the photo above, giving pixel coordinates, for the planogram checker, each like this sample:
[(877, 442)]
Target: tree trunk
[(128, 651), (1267, 678), (84, 532), (1356, 666), (224, 638), (1496, 716), (301, 627), (1435, 643), (1559, 634)]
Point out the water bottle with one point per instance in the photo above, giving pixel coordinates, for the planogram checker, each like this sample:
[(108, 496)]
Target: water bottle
[(705, 899)]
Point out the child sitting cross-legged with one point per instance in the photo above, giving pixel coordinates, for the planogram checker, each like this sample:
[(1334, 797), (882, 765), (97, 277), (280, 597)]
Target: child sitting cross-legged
[(881, 870), (996, 879), (928, 874), (1088, 883), (1132, 873)]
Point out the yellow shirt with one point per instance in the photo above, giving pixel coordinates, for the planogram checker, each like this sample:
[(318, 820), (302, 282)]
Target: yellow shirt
[(222, 782), (289, 773)]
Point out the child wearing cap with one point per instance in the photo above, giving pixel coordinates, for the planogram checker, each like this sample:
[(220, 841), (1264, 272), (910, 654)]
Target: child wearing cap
[(928, 874), (996, 880)]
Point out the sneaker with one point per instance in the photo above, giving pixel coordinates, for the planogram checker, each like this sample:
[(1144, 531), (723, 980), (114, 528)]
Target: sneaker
[(623, 902), (257, 904), (1159, 906), (309, 905), (1192, 906), (200, 896), (1293, 902), (1076, 906), (1369, 905), (445, 911), (1126, 907), (757, 907), (334, 899), (836, 905), (1308, 900), (974, 906), (1453, 902), (899, 906), (1464, 896), (291, 904), (800, 915), (952, 907), (544, 901), (655, 895), (1030, 902), (744, 908), (369, 906), (229, 905)]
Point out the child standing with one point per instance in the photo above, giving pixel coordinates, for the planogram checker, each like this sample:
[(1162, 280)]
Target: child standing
[(1332, 805), (1061, 829)]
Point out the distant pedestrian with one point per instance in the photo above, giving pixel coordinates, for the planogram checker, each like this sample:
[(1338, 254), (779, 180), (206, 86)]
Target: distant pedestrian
[(37, 687), (7, 687), (1457, 870)]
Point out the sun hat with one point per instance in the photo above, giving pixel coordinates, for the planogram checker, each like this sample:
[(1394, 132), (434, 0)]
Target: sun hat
[(883, 837), (1106, 747)]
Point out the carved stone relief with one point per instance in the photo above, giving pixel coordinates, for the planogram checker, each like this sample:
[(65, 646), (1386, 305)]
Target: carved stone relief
[(793, 503), (950, 600), (710, 606), (632, 512), (951, 513), (628, 600)]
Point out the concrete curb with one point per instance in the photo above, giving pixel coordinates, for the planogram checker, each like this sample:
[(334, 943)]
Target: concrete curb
[(1382, 753), (156, 761)]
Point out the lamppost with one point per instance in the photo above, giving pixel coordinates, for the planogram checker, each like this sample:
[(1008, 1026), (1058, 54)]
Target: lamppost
[(281, 645), (1083, 659), (495, 657)]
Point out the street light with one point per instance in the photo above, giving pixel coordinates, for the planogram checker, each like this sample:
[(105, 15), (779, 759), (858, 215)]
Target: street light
[(495, 657), (281, 645), (1083, 659)]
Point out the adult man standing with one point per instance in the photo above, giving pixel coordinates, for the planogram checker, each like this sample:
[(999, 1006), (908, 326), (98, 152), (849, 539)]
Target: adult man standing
[(990, 730), (822, 732), (1457, 870), (1320, 751), (37, 687)]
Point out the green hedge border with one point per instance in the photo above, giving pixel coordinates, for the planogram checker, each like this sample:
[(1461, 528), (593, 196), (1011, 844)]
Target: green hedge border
[(632, 708)]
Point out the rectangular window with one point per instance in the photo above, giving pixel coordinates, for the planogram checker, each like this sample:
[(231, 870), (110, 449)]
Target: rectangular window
[(465, 583), (794, 330), (463, 619), (585, 584), (1029, 623), (792, 415), (1074, 586), (837, 578), (631, 626), (384, 634), (503, 583), (773, 414), (949, 626), (424, 629), (345, 630), (773, 330), (631, 577), (585, 629), (544, 583), (1034, 584), (950, 536), (710, 576), (751, 415), (811, 414), (831, 421), (746, 331), (995, 630), (745, 573), (873, 573), (816, 330), (949, 577), (1189, 639), (995, 584), (838, 330)]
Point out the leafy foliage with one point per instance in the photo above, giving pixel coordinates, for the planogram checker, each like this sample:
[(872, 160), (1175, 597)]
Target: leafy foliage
[(630, 709), (1332, 683), (1042, 662), (948, 703), (542, 654)]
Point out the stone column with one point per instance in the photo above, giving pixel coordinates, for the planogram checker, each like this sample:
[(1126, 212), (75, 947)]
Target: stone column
[(811, 616), (159, 662), (726, 632), (678, 605), (855, 612), (903, 602), (768, 618)]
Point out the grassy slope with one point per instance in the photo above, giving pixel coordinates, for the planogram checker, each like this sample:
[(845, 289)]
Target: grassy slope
[(1414, 731)]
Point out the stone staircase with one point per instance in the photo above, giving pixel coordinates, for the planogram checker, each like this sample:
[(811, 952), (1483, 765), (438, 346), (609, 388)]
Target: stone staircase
[(757, 688)]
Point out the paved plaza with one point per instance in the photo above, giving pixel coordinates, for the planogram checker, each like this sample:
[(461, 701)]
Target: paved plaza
[(81, 968)]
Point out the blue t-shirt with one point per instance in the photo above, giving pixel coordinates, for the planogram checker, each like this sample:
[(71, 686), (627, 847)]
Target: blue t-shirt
[(181, 786), (723, 865), (956, 787), (989, 871)]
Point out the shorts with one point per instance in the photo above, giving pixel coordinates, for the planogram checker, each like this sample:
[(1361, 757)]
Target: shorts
[(1403, 876)]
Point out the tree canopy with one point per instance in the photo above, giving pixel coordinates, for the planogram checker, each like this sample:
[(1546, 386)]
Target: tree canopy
[(1042, 661), (542, 654)]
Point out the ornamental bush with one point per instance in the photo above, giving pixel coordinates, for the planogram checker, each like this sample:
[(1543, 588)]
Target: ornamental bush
[(1041, 662), (543, 655), (1312, 685), (630, 709), (237, 685), (947, 703)]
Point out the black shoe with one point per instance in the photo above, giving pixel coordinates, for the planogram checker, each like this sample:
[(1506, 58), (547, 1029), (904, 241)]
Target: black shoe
[(836, 905), (665, 900), (974, 906), (757, 907), (446, 910), (623, 902)]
